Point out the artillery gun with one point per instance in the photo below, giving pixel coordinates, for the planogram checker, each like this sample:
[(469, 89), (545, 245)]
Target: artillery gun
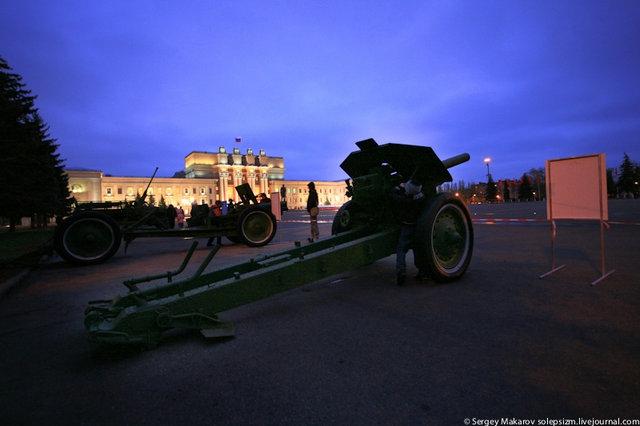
[(94, 232), (364, 230)]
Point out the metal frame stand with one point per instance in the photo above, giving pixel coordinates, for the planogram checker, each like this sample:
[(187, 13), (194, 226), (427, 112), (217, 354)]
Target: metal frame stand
[(603, 269), (554, 268)]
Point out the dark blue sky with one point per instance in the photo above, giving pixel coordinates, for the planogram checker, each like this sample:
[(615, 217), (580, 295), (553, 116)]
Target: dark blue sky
[(129, 85)]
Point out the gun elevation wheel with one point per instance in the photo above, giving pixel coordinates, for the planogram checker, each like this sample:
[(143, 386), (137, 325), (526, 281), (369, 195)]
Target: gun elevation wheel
[(256, 227), (444, 238), (87, 238), (343, 220)]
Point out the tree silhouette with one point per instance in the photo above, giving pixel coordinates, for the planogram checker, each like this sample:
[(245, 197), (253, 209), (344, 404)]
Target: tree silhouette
[(492, 190), (627, 180), (611, 184), (32, 179), (525, 192), (506, 195)]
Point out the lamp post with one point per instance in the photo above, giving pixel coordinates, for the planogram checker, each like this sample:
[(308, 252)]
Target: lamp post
[(487, 161)]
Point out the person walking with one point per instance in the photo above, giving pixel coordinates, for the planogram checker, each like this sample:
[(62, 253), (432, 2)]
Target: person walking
[(408, 200), (312, 208)]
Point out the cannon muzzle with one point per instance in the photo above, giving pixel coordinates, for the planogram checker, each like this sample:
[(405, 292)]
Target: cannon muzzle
[(456, 160)]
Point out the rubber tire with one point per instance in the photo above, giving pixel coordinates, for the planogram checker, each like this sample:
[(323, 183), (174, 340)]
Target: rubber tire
[(256, 211), (61, 231), (343, 220), (424, 245)]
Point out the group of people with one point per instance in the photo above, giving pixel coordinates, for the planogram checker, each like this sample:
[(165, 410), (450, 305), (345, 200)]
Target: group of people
[(175, 216)]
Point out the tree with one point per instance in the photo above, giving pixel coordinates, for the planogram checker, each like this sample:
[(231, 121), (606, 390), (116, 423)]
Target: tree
[(492, 190), (162, 203), (626, 182), (525, 192), (32, 179), (538, 182), (611, 184), (506, 195)]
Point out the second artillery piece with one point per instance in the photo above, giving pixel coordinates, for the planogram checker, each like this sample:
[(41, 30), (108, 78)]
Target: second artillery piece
[(364, 229), (94, 232)]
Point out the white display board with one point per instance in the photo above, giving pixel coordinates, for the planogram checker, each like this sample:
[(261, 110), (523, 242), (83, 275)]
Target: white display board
[(576, 188)]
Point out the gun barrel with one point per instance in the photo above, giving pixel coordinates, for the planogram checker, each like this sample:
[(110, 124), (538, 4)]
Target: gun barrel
[(456, 160)]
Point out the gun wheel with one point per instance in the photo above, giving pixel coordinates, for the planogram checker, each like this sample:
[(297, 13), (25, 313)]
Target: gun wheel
[(444, 238), (257, 227), (343, 220), (87, 238)]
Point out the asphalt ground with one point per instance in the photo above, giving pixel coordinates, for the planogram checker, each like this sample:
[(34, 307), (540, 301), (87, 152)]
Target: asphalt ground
[(352, 348)]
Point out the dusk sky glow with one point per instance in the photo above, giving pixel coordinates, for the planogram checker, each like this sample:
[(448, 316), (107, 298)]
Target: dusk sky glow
[(126, 86)]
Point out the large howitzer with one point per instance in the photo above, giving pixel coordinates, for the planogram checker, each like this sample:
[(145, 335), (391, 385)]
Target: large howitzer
[(364, 230), (94, 232)]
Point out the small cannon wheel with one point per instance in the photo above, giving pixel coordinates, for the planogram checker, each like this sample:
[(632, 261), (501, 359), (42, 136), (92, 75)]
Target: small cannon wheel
[(444, 238), (87, 238), (256, 227), (343, 220)]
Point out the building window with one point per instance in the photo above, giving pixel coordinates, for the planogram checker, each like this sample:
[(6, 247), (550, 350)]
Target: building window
[(109, 191), (168, 191), (210, 191), (186, 191), (150, 190), (129, 191), (202, 191), (119, 190), (194, 190)]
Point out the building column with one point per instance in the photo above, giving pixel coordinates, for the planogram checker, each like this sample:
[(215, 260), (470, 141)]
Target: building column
[(251, 178), (264, 186), (222, 185), (237, 180)]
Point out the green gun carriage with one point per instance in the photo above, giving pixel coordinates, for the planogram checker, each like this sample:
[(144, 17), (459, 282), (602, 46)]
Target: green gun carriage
[(364, 230), (95, 231)]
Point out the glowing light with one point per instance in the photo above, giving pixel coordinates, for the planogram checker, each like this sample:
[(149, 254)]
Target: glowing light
[(487, 160), (457, 194)]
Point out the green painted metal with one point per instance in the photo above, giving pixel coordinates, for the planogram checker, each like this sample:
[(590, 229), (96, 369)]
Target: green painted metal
[(142, 315), (449, 237), (365, 229)]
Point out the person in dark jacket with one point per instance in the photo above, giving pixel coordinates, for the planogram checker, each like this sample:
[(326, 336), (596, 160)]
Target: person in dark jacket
[(408, 201), (171, 216), (312, 208)]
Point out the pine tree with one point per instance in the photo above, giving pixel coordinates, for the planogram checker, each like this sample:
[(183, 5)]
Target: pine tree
[(32, 179), (525, 193), (626, 182)]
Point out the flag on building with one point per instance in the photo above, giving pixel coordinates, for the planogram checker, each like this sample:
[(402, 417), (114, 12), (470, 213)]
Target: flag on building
[(238, 140)]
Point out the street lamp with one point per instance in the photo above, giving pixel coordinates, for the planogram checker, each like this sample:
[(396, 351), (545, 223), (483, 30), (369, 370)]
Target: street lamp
[(487, 160)]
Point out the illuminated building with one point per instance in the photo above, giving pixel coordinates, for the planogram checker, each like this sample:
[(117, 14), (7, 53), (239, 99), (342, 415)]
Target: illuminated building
[(209, 176)]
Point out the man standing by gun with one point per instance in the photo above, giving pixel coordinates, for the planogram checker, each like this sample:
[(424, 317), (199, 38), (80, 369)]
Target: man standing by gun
[(408, 201)]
